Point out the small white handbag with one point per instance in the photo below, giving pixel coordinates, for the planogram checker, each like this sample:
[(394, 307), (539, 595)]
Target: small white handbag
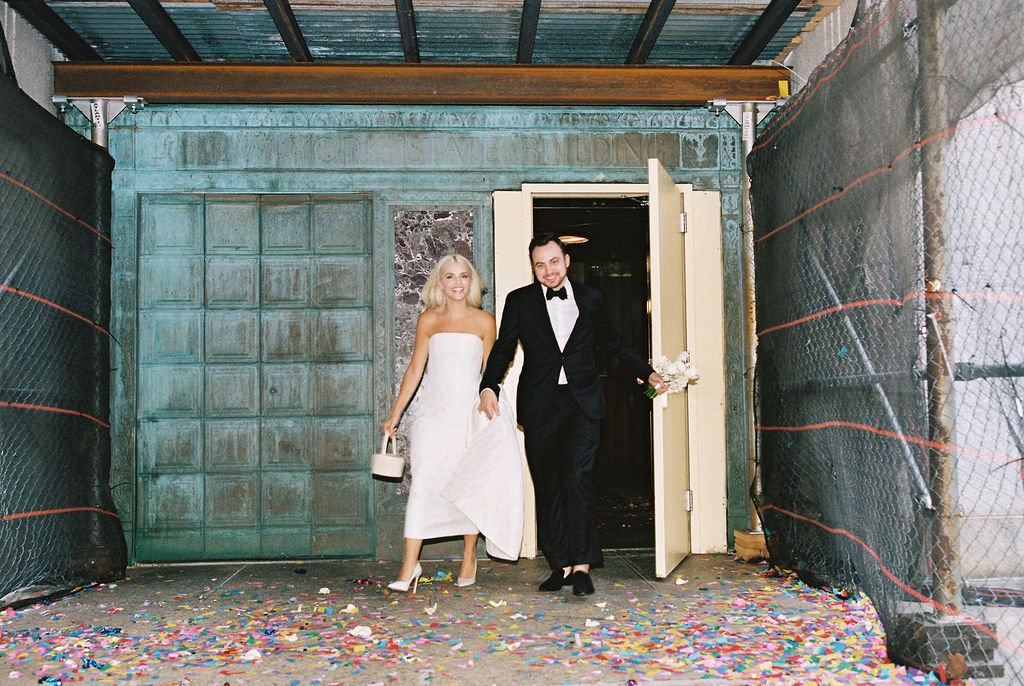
[(388, 465)]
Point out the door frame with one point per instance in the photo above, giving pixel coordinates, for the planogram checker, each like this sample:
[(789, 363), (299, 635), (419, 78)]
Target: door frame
[(513, 230)]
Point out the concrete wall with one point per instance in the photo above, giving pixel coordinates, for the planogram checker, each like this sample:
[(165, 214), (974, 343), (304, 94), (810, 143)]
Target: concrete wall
[(31, 55)]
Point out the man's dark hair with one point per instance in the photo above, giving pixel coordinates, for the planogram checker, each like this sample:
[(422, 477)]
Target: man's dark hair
[(543, 239)]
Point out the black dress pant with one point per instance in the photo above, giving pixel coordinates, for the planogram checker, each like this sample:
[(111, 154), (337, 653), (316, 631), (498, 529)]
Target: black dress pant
[(561, 452)]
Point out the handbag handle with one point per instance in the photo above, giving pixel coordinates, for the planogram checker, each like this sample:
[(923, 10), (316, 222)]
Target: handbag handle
[(384, 445)]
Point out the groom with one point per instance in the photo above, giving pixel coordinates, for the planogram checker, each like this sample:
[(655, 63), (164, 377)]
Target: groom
[(560, 324)]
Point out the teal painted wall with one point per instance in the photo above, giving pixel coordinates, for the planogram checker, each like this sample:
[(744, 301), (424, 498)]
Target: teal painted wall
[(408, 156)]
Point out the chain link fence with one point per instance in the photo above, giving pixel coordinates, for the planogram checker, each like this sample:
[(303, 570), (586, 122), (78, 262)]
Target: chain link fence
[(889, 249), (58, 524)]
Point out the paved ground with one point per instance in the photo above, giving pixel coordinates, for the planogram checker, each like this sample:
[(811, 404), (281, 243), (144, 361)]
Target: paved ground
[(716, 620)]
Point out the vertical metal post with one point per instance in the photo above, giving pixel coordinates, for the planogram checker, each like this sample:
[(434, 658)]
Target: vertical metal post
[(941, 364), (748, 130), (99, 121), (100, 112)]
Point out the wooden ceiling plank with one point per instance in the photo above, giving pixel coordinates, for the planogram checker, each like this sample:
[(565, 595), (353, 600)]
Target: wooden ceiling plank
[(650, 28), (396, 84), (291, 34), (47, 22), (763, 30), (528, 31), (407, 30), (152, 13)]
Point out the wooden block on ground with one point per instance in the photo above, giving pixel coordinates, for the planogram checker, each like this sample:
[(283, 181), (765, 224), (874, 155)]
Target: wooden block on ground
[(750, 547)]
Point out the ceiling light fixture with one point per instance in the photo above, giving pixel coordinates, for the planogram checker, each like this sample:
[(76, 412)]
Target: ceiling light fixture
[(573, 240)]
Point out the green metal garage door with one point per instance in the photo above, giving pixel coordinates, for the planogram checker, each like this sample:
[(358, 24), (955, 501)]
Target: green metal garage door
[(254, 377)]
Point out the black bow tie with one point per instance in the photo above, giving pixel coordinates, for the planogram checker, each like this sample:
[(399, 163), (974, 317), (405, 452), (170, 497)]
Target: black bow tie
[(560, 293)]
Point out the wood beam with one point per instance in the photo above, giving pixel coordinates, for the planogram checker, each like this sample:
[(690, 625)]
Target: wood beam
[(291, 34), (47, 22), (650, 28), (422, 84), (407, 29), (764, 29), (528, 31), (166, 31)]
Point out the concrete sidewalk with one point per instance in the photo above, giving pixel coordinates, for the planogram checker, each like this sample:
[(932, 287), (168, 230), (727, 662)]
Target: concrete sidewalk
[(716, 620)]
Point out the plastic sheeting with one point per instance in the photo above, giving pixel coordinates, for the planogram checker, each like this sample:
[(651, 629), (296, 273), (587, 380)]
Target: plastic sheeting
[(58, 524)]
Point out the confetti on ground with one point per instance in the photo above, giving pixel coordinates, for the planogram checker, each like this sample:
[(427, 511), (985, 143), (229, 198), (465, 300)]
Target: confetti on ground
[(257, 629)]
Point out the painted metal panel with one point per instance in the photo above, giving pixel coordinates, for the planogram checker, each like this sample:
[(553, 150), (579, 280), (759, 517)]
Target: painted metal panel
[(172, 445), (409, 156), (286, 444), (340, 226), (232, 282), (342, 335), (340, 499), (231, 391), (285, 282), (286, 336), (255, 356), (285, 390), (171, 391), (231, 446), (340, 443), (232, 500), (176, 282), (172, 336), (341, 282), (232, 226), (232, 336)]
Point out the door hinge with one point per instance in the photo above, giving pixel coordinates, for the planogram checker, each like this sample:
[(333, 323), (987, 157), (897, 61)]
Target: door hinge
[(682, 222), (688, 496)]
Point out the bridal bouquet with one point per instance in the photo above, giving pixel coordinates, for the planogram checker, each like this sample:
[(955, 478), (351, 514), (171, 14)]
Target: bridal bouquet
[(678, 373)]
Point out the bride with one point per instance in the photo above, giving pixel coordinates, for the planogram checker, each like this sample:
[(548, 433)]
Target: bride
[(466, 470)]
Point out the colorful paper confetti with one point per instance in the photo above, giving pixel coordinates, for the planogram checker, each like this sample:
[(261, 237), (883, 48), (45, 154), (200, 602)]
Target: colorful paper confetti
[(266, 626)]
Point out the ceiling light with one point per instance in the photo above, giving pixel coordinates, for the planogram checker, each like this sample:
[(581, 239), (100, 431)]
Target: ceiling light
[(573, 240)]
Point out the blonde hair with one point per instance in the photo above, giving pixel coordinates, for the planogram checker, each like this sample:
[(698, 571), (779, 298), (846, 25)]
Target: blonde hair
[(433, 297)]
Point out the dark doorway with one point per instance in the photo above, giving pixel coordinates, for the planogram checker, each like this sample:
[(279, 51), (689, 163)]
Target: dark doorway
[(614, 258)]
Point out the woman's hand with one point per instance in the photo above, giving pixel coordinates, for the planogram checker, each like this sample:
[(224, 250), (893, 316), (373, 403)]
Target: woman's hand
[(391, 424)]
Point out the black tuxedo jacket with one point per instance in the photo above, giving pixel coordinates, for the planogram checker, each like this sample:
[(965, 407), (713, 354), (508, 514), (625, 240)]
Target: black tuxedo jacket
[(525, 320)]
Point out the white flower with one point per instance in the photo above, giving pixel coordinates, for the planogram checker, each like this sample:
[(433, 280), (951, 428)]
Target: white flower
[(677, 373)]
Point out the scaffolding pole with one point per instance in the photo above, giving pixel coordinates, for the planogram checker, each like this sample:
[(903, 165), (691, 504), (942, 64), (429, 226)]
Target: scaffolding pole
[(941, 363), (748, 126)]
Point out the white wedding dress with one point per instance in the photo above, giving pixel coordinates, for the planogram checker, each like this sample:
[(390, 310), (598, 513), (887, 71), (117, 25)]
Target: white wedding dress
[(466, 471)]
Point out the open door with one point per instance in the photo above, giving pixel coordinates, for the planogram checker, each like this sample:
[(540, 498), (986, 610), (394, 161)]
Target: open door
[(672, 496), (681, 489)]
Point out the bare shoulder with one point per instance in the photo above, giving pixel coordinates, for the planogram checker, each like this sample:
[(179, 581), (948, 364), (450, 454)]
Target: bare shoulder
[(428, 323), (483, 322)]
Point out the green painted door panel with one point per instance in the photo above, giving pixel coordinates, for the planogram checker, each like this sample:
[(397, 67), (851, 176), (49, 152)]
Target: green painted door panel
[(255, 360)]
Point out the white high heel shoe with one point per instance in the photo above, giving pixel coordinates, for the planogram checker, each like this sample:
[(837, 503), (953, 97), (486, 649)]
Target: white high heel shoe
[(414, 580), (467, 580)]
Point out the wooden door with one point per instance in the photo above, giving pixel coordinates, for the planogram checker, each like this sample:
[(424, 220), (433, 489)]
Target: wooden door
[(672, 497)]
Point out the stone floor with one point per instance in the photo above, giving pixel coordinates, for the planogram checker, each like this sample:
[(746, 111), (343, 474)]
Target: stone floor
[(715, 620)]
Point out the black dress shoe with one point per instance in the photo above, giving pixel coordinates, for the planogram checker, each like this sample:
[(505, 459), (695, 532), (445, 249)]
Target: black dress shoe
[(555, 581), (582, 584)]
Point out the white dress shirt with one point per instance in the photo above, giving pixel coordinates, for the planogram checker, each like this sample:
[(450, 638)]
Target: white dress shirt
[(563, 314)]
